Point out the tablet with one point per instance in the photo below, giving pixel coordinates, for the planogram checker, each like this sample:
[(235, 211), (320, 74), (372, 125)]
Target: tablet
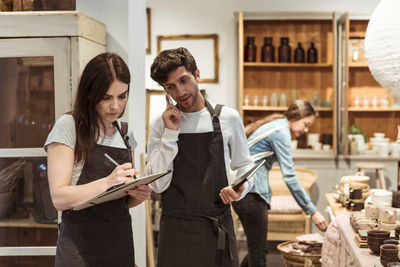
[(118, 191), (245, 177)]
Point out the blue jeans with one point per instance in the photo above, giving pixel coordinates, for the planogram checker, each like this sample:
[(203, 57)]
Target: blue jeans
[(253, 214)]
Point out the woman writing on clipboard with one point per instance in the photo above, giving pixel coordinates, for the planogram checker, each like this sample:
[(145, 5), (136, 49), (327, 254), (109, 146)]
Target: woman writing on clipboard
[(270, 139), (78, 170)]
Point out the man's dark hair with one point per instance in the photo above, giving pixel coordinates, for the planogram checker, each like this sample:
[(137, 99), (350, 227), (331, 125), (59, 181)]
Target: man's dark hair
[(169, 60)]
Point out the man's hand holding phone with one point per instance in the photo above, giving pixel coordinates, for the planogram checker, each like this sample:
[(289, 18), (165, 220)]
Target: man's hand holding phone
[(172, 115)]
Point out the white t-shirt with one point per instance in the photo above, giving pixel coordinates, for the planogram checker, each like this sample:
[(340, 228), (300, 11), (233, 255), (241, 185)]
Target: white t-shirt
[(64, 132), (162, 147)]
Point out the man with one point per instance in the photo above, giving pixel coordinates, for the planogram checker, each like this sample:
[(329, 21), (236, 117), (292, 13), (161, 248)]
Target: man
[(197, 140)]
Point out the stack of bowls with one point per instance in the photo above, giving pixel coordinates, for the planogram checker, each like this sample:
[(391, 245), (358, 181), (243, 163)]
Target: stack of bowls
[(380, 144), (397, 232), (387, 218), (388, 253), (375, 239), (381, 197), (360, 222), (396, 199), (313, 141), (393, 264)]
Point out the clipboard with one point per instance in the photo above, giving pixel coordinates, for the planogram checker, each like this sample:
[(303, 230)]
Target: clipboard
[(118, 191), (245, 177)]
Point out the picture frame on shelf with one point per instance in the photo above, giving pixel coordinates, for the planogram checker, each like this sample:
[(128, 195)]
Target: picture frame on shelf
[(148, 31), (203, 47)]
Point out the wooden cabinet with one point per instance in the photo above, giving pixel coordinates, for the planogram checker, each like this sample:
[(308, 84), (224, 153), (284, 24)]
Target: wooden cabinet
[(308, 81), (19, 236), (42, 55), (363, 102)]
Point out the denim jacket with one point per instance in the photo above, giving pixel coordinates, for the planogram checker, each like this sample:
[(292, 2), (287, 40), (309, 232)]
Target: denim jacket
[(272, 142)]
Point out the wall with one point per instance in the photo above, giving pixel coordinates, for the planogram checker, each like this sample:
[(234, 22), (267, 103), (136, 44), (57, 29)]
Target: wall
[(218, 16), (125, 22)]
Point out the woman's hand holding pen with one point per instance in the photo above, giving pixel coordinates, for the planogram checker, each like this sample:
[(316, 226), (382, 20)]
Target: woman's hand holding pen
[(228, 194), (121, 174), (171, 116)]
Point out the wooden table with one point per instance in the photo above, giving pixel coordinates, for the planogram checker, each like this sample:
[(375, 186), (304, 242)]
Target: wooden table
[(348, 253), (336, 207)]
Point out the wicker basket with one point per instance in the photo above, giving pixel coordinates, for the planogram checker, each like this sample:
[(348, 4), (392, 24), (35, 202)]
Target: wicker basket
[(288, 225), (290, 259)]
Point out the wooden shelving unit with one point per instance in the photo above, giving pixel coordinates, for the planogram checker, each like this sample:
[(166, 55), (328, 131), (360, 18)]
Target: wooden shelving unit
[(389, 109), (286, 65), (279, 109), (302, 79), (357, 82)]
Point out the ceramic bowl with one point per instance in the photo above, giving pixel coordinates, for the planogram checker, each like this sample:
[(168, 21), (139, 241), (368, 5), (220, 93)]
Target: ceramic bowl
[(378, 233)]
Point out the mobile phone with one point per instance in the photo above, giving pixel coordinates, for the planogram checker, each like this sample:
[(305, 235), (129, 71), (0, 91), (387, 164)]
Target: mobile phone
[(170, 99)]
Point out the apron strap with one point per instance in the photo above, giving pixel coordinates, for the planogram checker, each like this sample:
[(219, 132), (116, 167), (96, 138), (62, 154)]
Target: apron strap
[(215, 115), (123, 132)]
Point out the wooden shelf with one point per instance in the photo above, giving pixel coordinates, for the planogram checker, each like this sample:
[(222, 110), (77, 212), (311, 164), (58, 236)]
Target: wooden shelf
[(258, 108), (286, 65), (358, 65), (389, 109), (29, 223), (38, 61), (357, 34), (255, 108)]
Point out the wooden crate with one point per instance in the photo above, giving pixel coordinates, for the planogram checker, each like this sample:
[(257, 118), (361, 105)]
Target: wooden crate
[(38, 5)]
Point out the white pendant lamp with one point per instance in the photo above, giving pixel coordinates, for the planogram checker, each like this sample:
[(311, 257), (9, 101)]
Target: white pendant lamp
[(382, 45)]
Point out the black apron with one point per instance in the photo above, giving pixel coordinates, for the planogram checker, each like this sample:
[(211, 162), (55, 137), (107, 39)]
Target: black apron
[(100, 235), (196, 228)]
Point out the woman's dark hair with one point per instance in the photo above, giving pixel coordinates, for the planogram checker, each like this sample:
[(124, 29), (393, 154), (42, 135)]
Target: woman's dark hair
[(96, 79), (169, 60), (296, 111)]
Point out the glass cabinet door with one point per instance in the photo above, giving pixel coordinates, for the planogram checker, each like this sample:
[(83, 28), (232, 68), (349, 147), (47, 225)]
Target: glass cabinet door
[(342, 31), (28, 101), (34, 75), (35, 89)]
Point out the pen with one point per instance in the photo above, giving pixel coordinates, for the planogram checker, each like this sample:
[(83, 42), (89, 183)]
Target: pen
[(111, 159), (114, 162)]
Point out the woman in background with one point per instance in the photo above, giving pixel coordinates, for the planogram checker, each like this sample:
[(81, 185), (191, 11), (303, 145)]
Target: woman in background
[(270, 139), (78, 170)]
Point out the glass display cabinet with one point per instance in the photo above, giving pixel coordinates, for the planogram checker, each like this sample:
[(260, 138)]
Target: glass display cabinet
[(364, 103), (41, 57)]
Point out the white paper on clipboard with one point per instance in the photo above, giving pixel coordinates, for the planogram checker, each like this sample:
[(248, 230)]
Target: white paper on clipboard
[(119, 191)]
